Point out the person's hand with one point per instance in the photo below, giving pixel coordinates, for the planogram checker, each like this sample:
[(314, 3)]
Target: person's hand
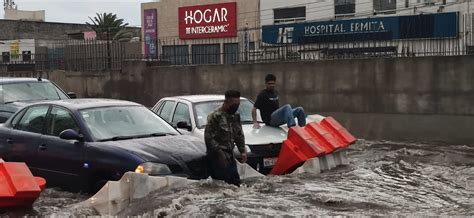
[(244, 157), (256, 125)]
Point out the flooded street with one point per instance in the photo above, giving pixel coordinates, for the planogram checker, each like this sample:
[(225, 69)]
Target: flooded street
[(383, 178)]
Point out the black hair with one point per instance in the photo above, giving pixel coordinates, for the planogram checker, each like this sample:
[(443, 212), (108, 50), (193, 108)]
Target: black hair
[(270, 77), (232, 94)]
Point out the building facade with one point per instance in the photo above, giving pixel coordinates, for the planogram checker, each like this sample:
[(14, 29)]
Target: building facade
[(199, 32), (14, 14), (270, 30)]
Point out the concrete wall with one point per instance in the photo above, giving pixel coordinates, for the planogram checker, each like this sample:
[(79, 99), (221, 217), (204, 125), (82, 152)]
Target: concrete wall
[(428, 99)]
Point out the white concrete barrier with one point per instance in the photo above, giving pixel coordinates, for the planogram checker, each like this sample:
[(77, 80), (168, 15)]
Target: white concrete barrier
[(340, 157), (116, 195), (311, 166), (247, 172)]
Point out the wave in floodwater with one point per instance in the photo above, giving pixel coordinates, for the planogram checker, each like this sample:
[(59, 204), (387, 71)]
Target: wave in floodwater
[(383, 178)]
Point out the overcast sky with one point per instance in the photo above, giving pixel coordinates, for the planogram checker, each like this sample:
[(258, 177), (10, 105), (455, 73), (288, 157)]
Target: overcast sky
[(75, 11)]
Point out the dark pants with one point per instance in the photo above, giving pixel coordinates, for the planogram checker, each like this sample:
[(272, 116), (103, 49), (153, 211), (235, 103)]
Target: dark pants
[(227, 173)]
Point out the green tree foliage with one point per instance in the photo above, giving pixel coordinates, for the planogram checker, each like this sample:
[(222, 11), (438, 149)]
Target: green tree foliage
[(107, 24)]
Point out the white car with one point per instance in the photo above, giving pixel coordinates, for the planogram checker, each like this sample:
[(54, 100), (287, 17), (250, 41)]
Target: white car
[(189, 115)]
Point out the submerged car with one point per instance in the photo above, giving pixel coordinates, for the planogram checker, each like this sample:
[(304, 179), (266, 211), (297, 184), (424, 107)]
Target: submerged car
[(86, 142), (189, 115), (15, 93)]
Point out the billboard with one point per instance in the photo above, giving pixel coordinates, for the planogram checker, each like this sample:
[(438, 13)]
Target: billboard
[(442, 25), (208, 21), (150, 31)]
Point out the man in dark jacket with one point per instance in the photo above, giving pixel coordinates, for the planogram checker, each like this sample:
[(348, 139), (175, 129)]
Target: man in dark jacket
[(222, 133), (272, 114)]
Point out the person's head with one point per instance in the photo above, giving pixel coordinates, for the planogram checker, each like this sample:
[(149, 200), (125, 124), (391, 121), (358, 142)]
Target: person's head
[(270, 81), (231, 102)]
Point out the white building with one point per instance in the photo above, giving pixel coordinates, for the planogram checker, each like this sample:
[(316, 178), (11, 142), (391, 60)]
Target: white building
[(283, 11), (314, 29), (17, 51)]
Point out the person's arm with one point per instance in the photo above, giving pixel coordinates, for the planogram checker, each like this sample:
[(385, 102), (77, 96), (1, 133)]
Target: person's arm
[(254, 118), (210, 135), (239, 139), (258, 104)]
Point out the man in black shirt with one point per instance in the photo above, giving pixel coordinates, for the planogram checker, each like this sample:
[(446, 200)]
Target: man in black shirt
[(272, 114)]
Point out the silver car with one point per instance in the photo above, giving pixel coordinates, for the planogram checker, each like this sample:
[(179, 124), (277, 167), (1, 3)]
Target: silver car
[(189, 115)]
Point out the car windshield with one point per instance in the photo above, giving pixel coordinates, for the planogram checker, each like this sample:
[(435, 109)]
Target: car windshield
[(122, 122), (203, 109), (30, 91)]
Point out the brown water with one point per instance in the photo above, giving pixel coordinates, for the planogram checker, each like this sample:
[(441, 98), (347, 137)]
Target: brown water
[(383, 178)]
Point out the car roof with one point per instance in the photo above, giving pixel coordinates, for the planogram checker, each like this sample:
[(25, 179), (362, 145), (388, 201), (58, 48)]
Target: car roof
[(199, 98), (86, 103), (8, 80)]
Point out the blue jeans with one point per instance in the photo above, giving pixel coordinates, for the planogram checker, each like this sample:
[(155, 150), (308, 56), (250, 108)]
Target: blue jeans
[(286, 114)]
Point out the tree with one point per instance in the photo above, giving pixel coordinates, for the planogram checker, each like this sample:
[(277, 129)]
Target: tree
[(109, 27)]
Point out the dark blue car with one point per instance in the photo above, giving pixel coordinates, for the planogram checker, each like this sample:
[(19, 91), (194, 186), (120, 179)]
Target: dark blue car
[(85, 142)]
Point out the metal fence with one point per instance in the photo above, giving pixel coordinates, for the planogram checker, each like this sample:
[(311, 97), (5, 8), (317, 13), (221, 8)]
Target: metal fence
[(72, 55)]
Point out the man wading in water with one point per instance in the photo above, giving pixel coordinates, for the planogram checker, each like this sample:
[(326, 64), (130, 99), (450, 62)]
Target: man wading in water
[(223, 132)]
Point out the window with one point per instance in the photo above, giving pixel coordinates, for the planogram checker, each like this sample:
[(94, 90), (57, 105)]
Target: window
[(385, 6), (345, 8), (167, 110), (107, 123), (231, 53), (61, 120), (181, 114), (289, 15), (5, 57), (206, 54), (31, 91), (26, 56), (177, 55), (34, 119), (17, 118), (157, 107)]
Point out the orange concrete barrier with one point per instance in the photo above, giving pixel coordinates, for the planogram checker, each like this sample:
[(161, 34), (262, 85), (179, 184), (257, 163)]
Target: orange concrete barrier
[(312, 141), (18, 187)]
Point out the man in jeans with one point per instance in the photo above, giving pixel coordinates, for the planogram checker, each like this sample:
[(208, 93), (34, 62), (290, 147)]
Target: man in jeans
[(272, 114)]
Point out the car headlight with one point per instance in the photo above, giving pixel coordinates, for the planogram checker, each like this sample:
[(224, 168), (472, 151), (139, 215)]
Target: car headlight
[(153, 169)]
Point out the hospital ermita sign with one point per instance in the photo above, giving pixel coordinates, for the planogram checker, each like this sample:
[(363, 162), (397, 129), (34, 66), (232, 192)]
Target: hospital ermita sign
[(439, 25)]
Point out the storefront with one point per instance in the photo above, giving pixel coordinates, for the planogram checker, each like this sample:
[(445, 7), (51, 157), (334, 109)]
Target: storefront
[(212, 32)]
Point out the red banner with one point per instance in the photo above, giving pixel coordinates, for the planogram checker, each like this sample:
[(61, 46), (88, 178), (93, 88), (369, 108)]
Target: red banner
[(208, 21)]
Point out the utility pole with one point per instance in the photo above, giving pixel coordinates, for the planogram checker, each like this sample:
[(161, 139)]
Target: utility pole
[(109, 58)]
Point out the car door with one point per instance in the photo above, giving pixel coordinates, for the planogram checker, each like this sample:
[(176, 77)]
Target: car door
[(25, 136), (182, 114), (62, 161)]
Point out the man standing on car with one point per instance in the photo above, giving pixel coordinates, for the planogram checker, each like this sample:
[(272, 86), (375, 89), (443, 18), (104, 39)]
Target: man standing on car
[(272, 114), (223, 132)]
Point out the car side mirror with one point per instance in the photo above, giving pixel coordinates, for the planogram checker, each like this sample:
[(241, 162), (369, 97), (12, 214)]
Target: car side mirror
[(70, 134), (184, 125), (72, 95)]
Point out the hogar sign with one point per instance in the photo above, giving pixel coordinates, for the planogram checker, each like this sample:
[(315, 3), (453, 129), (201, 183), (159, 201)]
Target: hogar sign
[(208, 21)]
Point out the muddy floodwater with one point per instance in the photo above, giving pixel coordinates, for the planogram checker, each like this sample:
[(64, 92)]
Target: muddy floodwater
[(383, 178)]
